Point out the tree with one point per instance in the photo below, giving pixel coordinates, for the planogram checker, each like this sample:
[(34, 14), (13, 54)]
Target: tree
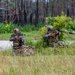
[(36, 13)]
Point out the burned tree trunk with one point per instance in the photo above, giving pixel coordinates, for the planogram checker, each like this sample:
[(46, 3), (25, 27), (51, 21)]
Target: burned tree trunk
[(37, 13)]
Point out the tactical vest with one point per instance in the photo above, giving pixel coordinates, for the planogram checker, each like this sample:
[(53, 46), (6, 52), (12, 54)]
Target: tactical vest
[(52, 37), (16, 44)]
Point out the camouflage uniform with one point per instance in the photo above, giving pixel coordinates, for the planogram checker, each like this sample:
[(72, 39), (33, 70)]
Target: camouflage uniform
[(51, 37), (17, 42)]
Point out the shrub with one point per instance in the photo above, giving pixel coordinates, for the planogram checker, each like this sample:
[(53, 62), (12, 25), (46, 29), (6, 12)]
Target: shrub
[(29, 43), (71, 25), (43, 30), (39, 44), (60, 22), (8, 27), (1, 28), (50, 20)]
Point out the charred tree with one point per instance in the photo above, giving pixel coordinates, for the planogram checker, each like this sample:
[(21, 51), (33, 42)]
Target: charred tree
[(37, 13), (25, 13)]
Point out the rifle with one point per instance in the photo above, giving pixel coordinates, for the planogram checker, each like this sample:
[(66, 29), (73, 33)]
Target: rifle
[(70, 32)]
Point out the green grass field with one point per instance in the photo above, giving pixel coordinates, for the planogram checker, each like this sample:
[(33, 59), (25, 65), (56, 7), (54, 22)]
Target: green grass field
[(46, 61)]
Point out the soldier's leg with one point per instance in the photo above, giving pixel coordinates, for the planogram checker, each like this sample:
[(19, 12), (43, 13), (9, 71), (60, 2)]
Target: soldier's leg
[(51, 44)]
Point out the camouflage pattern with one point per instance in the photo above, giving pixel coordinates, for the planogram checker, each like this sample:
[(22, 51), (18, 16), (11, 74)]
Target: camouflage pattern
[(25, 51), (17, 42), (61, 44), (51, 37)]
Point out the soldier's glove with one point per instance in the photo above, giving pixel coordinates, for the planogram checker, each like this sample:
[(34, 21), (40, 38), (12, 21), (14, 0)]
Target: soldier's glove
[(16, 37), (20, 37)]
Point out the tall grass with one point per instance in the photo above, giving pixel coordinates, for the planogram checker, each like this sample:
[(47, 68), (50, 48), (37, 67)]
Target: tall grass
[(37, 65)]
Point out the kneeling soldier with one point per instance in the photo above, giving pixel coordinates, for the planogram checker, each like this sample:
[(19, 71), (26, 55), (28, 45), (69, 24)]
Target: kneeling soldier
[(18, 40)]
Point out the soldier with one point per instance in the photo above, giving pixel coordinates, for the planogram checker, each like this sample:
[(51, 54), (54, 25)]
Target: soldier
[(51, 37), (18, 40)]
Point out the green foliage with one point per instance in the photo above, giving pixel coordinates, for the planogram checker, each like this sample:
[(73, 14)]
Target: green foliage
[(39, 44), (50, 20), (71, 25), (43, 30), (27, 28), (40, 25), (60, 22), (6, 28), (1, 28), (29, 43)]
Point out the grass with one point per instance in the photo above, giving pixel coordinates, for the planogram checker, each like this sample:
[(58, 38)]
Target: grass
[(68, 36), (46, 61), (34, 35), (37, 65)]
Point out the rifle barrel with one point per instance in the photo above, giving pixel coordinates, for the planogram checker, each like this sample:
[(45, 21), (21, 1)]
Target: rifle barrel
[(70, 32)]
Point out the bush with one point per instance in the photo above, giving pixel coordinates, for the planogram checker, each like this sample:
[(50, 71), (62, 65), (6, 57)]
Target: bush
[(39, 44), (29, 43), (1, 28), (60, 22), (6, 28), (43, 30), (71, 25), (50, 20)]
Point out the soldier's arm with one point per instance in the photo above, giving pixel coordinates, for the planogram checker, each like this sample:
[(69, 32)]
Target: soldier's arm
[(22, 39), (12, 38), (57, 32)]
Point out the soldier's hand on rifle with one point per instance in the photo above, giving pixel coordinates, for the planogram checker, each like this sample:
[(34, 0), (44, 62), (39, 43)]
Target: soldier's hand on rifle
[(20, 37), (16, 37), (49, 34)]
